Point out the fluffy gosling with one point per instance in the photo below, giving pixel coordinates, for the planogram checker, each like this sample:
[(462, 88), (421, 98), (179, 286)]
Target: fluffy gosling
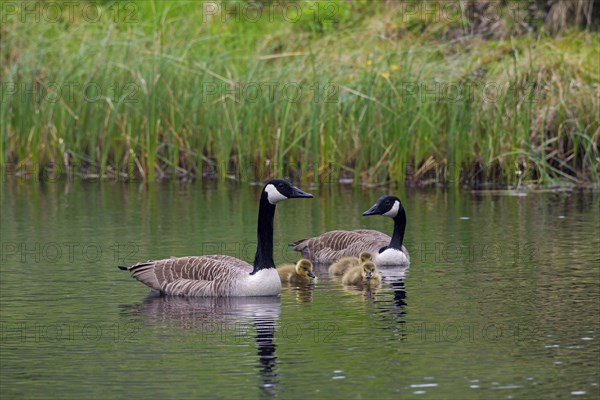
[(366, 273), (342, 265), (301, 273)]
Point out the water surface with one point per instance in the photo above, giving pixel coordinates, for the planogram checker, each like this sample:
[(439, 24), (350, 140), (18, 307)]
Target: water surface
[(501, 299)]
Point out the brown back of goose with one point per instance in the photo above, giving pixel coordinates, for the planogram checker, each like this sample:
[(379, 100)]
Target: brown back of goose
[(333, 245)]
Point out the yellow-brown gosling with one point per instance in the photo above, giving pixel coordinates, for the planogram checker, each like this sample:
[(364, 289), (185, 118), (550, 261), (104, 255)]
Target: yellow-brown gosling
[(301, 273), (342, 265), (366, 273)]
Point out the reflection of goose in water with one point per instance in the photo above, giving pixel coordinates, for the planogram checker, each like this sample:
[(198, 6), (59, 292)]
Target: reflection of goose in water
[(191, 312), (393, 273), (399, 294), (394, 277), (394, 308), (228, 314)]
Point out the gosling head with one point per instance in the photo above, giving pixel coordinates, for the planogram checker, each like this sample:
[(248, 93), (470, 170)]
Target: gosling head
[(388, 206), (278, 190), (368, 270), (305, 268), (365, 256)]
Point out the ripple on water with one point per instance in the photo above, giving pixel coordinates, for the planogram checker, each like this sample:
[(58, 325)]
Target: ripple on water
[(505, 387), (337, 373)]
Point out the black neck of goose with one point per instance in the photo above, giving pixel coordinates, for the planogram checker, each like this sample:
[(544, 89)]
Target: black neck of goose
[(264, 247), (399, 228)]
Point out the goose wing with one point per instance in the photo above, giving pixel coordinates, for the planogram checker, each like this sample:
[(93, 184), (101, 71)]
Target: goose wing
[(333, 245), (214, 275)]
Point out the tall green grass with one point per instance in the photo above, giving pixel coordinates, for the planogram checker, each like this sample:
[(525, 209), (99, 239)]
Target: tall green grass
[(369, 108)]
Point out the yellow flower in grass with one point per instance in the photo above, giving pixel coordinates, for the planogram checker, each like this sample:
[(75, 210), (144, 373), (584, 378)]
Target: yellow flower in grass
[(368, 63), (394, 67), (386, 75)]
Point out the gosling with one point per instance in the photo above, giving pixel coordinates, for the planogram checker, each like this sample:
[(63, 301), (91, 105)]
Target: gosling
[(301, 273), (342, 265), (366, 273)]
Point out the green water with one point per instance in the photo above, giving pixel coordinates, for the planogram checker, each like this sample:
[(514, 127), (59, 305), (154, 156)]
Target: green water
[(501, 299)]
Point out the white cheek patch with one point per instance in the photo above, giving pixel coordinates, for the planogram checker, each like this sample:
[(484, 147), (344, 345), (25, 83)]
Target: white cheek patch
[(273, 194), (394, 210)]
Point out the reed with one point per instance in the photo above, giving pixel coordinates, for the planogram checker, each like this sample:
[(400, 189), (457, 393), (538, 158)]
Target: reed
[(372, 97)]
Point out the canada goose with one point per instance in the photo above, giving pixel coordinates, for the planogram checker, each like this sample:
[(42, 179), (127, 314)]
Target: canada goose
[(331, 246), (301, 273), (343, 264), (220, 275), (365, 273)]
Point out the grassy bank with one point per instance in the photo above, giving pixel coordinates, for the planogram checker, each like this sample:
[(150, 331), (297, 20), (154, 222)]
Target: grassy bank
[(378, 93)]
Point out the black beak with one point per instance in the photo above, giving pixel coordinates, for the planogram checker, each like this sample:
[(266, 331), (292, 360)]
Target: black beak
[(299, 194), (371, 211), (311, 274), (369, 275)]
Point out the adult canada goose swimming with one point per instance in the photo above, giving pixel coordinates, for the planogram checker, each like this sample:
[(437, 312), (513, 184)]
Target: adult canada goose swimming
[(342, 265), (333, 245), (220, 275), (301, 273), (365, 273)]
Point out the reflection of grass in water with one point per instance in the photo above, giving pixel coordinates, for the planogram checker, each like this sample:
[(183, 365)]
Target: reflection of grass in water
[(377, 99)]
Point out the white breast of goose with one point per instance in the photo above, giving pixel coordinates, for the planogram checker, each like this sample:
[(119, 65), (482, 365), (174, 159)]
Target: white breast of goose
[(265, 282), (391, 257)]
